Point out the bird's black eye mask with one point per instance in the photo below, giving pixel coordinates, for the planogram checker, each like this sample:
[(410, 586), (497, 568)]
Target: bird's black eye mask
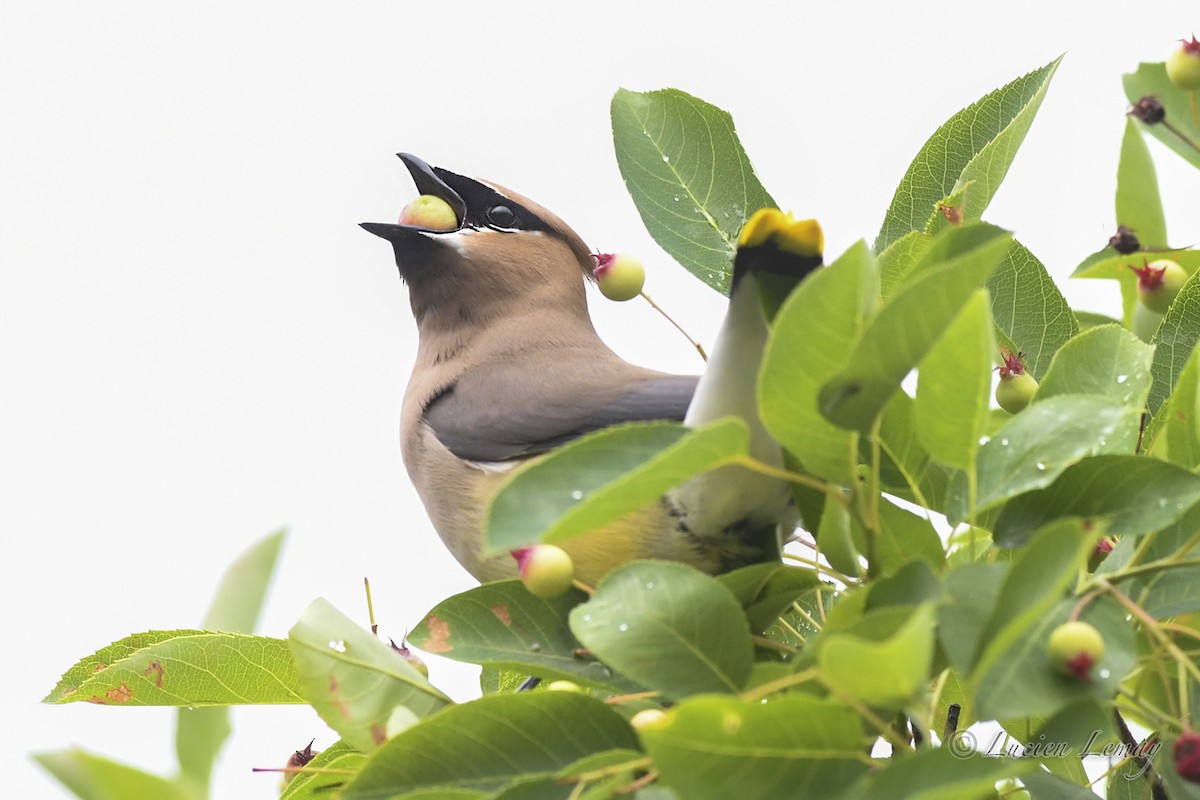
[(484, 207)]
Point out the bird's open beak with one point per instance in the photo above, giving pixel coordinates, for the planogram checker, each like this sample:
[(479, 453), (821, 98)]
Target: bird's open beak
[(427, 182)]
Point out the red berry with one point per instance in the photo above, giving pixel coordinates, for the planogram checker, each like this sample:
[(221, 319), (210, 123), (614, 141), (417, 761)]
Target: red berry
[(1187, 756)]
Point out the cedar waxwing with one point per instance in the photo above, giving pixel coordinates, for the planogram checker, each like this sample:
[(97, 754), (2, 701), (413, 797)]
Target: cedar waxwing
[(509, 367)]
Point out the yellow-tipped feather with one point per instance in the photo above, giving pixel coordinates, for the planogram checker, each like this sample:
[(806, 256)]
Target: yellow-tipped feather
[(803, 237)]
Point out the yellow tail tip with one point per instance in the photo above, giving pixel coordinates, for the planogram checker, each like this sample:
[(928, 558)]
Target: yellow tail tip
[(803, 237)]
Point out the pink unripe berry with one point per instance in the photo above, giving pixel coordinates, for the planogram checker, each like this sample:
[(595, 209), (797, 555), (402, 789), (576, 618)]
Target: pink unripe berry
[(546, 570), (620, 276), (429, 212), (1183, 65)]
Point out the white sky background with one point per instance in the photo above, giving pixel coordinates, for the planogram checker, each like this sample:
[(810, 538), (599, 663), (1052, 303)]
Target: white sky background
[(198, 344)]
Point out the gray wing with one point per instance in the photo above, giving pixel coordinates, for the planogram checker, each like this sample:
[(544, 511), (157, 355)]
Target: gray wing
[(498, 414)]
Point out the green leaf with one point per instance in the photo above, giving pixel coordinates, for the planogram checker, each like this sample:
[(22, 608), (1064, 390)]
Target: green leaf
[(885, 674), (897, 261), (93, 777), (239, 599), (835, 541), (353, 680), (1139, 206), (668, 627), (1090, 319), (1174, 341), (906, 469), (200, 732), (1180, 420), (972, 150), (1131, 495), (1038, 444), (907, 327), (1044, 786), (765, 591), (183, 668), (971, 591), (502, 625), (1108, 361), (905, 538), (689, 177), (792, 747), (317, 786), (604, 476), (1029, 310), (940, 774), (487, 743), (828, 307), (954, 385), (1151, 79), (1173, 592)]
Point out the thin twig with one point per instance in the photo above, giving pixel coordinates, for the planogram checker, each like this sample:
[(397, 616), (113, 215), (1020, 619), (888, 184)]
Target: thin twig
[(678, 327), (1147, 768)]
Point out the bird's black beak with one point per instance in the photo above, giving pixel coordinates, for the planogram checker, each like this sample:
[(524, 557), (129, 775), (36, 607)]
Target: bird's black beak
[(427, 182)]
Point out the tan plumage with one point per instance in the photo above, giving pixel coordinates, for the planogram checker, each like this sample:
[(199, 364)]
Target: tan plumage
[(509, 366)]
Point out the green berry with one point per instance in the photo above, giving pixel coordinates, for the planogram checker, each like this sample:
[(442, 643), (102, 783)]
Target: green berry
[(546, 570), (1075, 647), (646, 718), (1145, 322), (564, 686), (1183, 66), (1159, 283), (429, 212), (1016, 387), (620, 276)]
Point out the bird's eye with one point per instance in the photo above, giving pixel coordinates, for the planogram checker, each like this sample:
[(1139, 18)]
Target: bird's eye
[(501, 216)]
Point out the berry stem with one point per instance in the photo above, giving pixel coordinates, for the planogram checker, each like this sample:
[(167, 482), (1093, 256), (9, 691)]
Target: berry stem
[(1183, 136), (822, 568), (370, 606), (1155, 631), (754, 465), (625, 698), (678, 327), (779, 684)]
